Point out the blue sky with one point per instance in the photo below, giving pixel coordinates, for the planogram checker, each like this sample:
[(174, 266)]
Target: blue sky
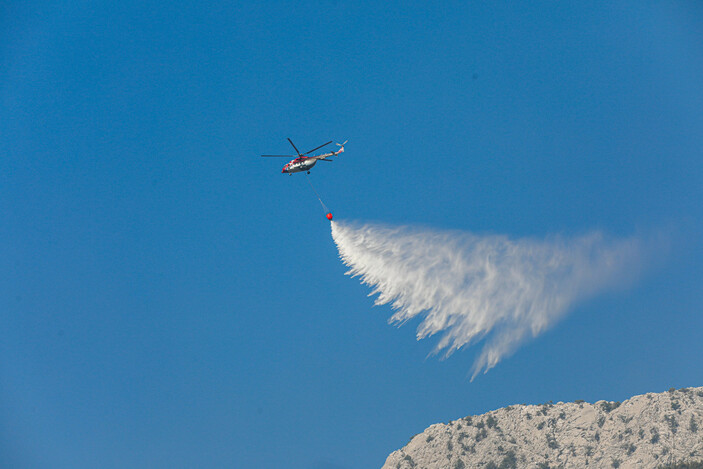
[(169, 299)]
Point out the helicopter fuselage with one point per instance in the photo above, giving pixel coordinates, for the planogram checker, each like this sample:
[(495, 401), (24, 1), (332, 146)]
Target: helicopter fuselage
[(299, 164)]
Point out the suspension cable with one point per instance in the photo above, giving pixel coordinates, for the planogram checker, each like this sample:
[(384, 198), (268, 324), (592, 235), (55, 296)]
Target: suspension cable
[(324, 207)]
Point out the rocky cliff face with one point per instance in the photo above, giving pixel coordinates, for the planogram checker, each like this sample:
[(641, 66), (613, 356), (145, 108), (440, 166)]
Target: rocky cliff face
[(647, 431)]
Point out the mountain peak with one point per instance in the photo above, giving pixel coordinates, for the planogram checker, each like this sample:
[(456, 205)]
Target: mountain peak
[(652, 430)]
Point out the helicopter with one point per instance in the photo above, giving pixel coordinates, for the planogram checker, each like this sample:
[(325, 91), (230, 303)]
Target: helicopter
[(302, 162)]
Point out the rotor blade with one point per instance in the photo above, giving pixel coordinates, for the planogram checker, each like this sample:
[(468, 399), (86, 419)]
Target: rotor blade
[(296, 149), (323, 159), (317, 148), (278, 156)]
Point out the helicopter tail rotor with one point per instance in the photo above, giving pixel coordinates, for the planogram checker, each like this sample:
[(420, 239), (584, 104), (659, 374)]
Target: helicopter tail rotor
[(341, 147)]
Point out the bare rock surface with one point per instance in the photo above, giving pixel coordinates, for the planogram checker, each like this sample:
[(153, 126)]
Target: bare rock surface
[(646, 431)]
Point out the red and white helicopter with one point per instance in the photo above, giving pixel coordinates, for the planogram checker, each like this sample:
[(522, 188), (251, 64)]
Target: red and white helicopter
[(304, 163)]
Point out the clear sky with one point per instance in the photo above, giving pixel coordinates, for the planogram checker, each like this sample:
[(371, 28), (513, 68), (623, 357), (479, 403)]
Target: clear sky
[(168, 299)]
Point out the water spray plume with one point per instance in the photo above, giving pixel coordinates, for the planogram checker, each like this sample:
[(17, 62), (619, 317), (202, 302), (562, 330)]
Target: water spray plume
[(473, 287)]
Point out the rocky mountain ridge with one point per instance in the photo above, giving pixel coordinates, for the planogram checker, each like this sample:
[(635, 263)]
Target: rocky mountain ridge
[(646, 431)]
